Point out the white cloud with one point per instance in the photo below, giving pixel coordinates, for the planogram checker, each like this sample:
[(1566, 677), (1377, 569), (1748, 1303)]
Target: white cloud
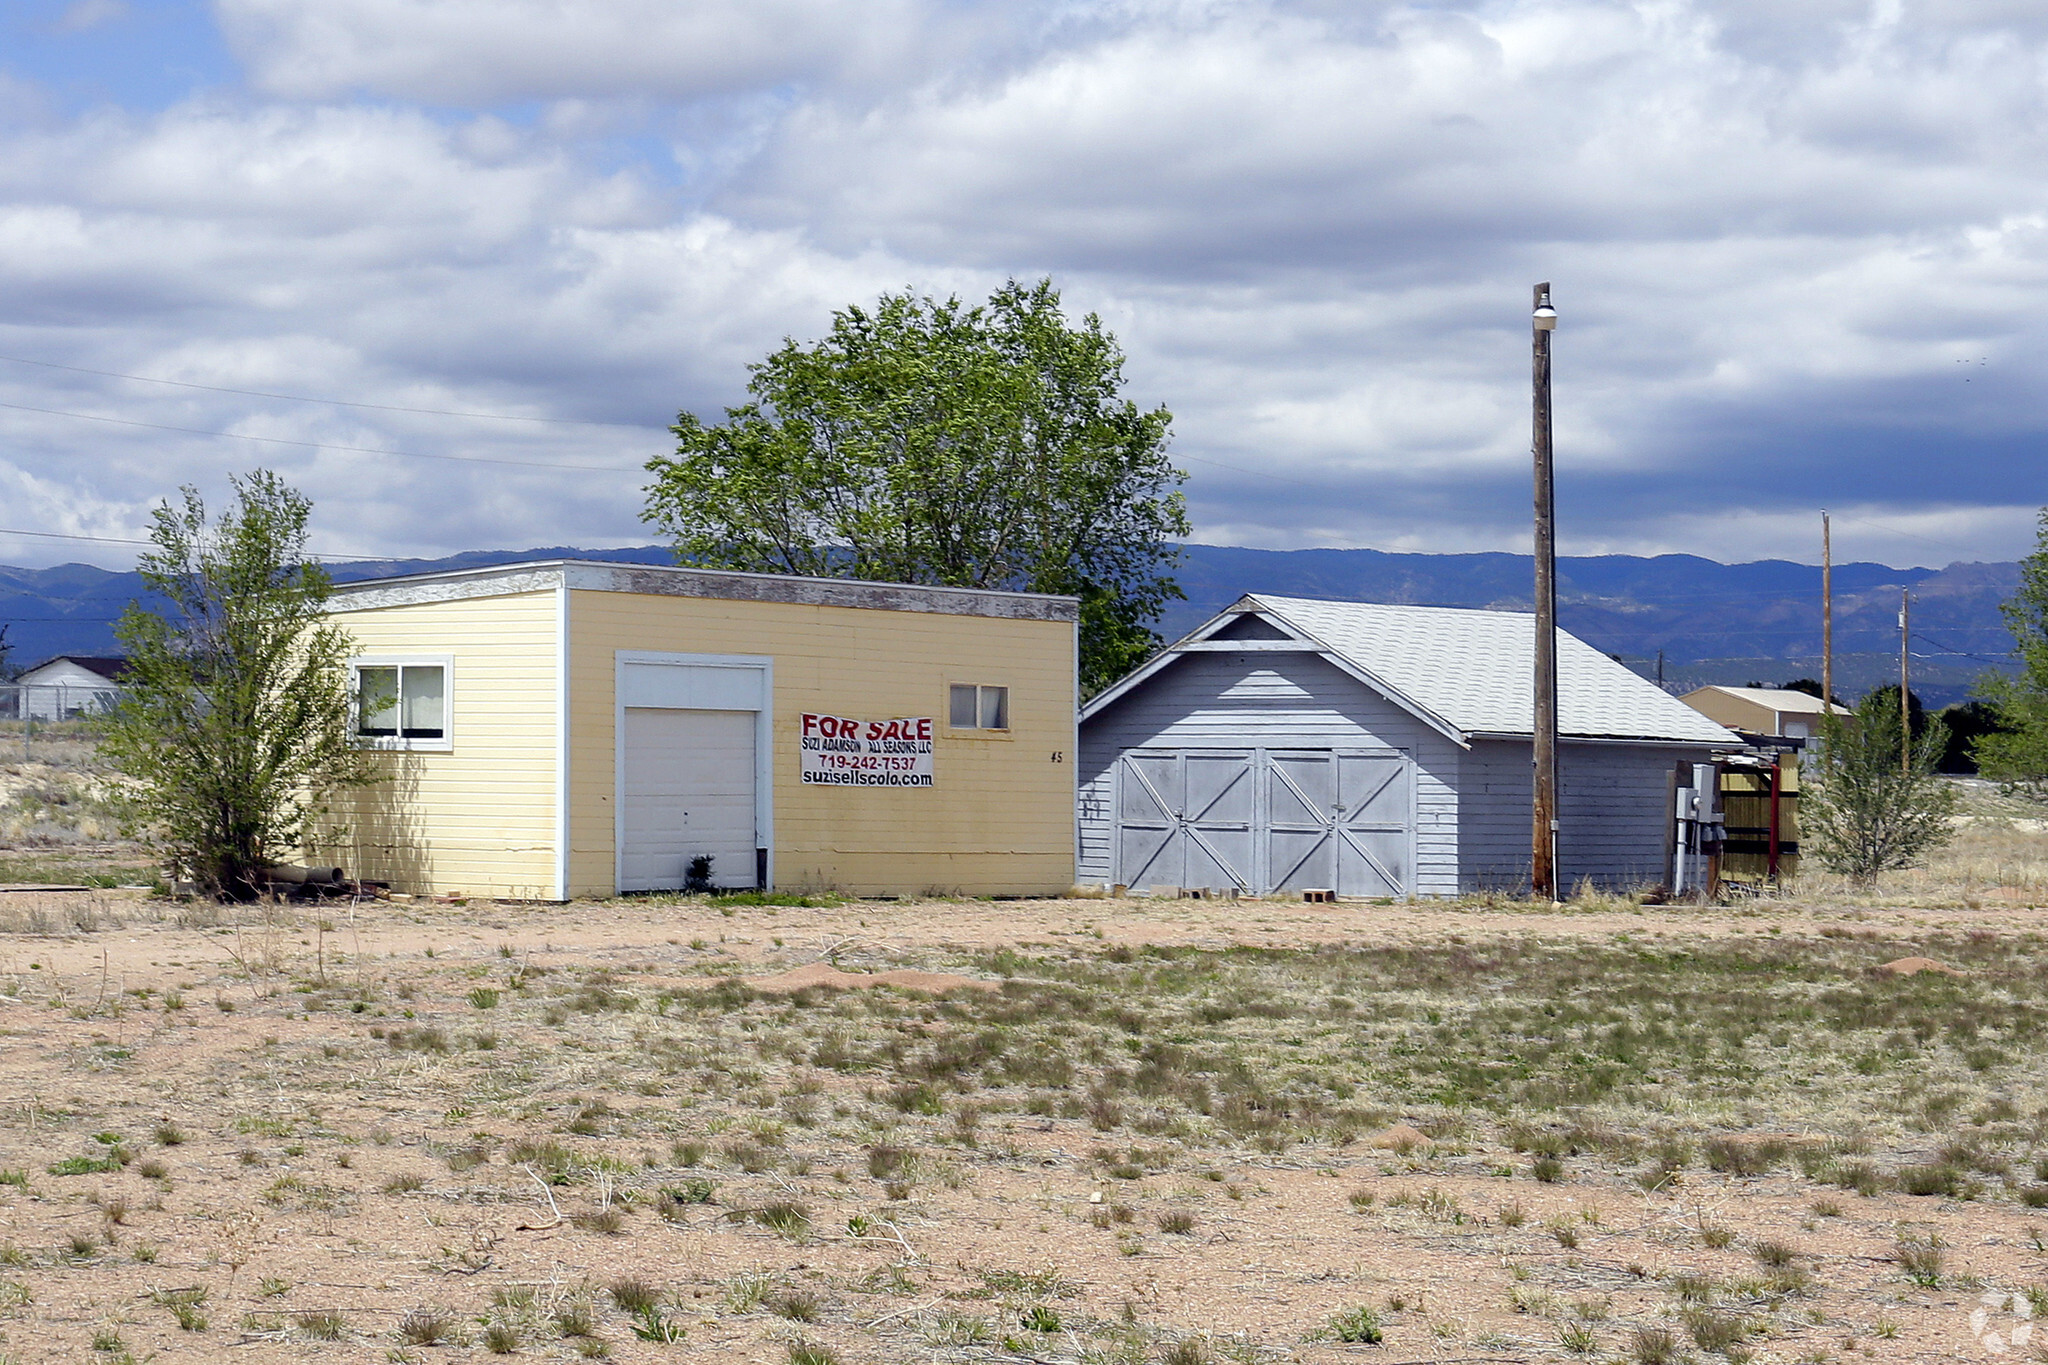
[(1801, 251), (455, 52)]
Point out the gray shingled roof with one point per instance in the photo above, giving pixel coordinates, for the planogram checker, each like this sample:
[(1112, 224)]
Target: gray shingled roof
[(1472, 669)]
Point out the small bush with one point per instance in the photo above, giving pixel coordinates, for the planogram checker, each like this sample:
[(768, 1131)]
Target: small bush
[(1178, 1222), (1547, 1169)]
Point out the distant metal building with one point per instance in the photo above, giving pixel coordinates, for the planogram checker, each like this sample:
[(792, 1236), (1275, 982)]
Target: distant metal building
[(1377, 751)]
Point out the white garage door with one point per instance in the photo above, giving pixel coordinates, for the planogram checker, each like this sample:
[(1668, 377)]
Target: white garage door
[(1266, 820), (688, 791)]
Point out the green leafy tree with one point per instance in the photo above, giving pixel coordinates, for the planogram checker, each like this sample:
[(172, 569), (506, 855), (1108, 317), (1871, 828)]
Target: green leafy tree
[(2016, 753), (1864, 811), (932, 442), (235, 719)]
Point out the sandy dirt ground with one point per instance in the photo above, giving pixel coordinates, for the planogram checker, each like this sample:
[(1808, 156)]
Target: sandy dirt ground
[(261, 1169)]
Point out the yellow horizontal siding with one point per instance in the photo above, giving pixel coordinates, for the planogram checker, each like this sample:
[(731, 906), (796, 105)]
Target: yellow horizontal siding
[(1000, 817), (479, 818)]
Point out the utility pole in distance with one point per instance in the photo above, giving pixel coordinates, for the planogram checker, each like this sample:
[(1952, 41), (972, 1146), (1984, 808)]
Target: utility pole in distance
[(1543, 832), (1905, 708), (1827, 619)]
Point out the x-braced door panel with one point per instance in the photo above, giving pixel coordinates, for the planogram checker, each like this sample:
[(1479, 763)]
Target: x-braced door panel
[(1185, 817), (1338, 819)]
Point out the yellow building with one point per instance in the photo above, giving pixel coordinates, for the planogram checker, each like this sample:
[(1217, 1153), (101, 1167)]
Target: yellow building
[(566, 728)]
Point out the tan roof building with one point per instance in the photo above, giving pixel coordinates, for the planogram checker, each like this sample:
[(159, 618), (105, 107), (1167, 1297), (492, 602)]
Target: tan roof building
[(1761, 710)]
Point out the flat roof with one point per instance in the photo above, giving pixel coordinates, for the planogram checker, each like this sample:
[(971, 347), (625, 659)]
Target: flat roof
[(656, 580)]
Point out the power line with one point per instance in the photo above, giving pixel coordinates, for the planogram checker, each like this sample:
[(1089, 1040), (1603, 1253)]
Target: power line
[(123, 540), (334, 402), (318, 445)]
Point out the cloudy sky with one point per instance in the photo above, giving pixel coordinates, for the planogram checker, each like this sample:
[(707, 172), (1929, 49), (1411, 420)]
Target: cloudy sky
[(1800, 251)]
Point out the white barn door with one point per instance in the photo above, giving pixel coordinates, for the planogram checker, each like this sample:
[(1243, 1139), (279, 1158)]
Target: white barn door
[(1266, 820), (689, 792)]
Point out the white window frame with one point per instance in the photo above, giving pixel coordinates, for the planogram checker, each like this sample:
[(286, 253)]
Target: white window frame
[(977, 730), (399, 743)]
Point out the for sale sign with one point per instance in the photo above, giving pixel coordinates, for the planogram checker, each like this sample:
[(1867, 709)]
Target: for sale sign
[(839, 751)]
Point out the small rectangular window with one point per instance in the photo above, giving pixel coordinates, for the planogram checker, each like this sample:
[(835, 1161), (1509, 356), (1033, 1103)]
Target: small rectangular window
[(965, 708), (979, 707), (377, 702), (402, 701)]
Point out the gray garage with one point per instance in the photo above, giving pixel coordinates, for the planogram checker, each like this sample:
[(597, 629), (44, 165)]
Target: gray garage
[(1379, 751)]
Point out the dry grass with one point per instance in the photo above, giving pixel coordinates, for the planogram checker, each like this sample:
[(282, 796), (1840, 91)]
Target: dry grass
[(1646, 1132)]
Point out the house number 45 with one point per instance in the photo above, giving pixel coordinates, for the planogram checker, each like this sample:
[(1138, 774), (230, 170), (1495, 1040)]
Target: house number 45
[(1058, 757)]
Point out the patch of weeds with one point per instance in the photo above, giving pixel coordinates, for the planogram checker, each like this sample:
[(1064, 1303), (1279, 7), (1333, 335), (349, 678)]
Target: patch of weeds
[(1049, 1283), (485, 997), (573, 1318), (785, 1217), (322, 1324), (1040, 1317), (1716, 1236), (1774, 1253), (188, 1306), (631, 1295), (1547, 1169), (1578, 1339), (797, 1305), (685, 1153), (745, 1291), (652, 1325), (18, 1179), (1177, 1222), (1931, 1180), (502, 1338), (427, 1327), (608, 1221), (1653, 1346), (1920, 1259), (93, 1163), (1358, 1325), (804, 1352), (405, 1182)]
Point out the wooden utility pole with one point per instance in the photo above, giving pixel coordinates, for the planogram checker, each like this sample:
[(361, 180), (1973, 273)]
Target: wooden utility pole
[(1827, 619), (1543, 833), (1905, 708)]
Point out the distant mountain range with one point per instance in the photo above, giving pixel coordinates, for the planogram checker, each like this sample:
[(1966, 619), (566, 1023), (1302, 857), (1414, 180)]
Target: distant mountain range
[(1712, 622)]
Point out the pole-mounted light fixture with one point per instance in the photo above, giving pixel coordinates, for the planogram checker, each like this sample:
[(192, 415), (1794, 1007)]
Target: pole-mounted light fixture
[(1544, 319)]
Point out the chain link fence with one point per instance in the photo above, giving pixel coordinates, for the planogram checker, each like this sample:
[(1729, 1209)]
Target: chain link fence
[(47, 713)]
